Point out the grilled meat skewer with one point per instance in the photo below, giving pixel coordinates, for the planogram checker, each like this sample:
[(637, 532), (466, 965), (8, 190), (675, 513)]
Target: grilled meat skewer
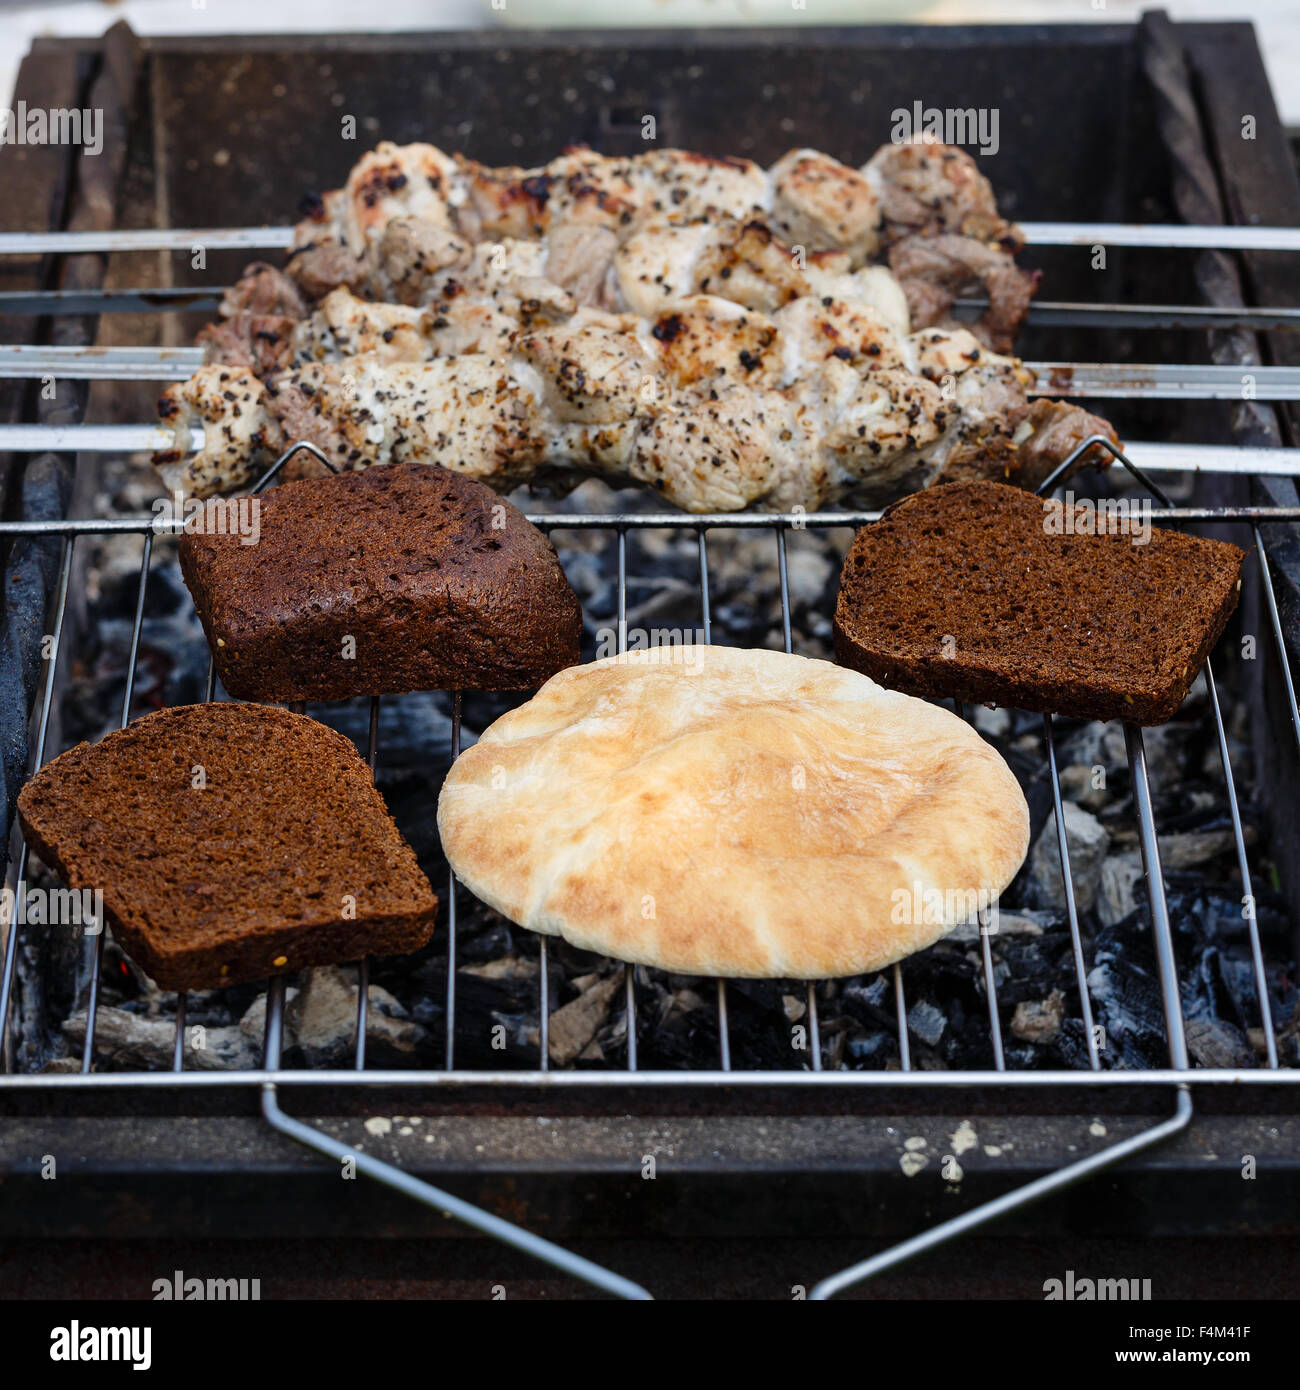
[(406, 213), (638, 318), (717, 406)]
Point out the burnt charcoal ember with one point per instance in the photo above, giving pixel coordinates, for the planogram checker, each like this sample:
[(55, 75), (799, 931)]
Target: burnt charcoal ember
[(1072, 1045), (51, 963), (677, 1024), (572, 1032), (1127, 1004), (495, 1017), (869, 998), (1216, 981), (126, 1041), (320, 1023), (872, 1051), (761, 1033), (868, 1022), (1088, 842), (414, 731), (1039, 1021), (1213, 1043), (926, 1023)]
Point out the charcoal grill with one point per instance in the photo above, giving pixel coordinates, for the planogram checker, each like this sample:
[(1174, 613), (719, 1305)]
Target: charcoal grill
[(808, 1149)]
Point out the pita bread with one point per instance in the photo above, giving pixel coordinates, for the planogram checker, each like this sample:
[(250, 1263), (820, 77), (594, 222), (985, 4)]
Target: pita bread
[(713, 811)]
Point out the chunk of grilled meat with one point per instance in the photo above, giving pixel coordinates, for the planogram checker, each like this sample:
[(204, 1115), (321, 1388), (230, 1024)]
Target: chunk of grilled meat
[(319, 267), (1052, 431), (240, 433), (925, 186), (817, 202), (263, 291), (259, 316), (618, 193), (933, 268), (264, 342), (944, 236)]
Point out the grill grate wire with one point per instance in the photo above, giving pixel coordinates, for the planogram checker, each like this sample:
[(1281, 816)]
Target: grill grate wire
[(70, 531)]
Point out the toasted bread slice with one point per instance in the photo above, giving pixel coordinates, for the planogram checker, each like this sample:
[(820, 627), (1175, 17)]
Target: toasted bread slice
[(230, 842), (406, 577), (986, 593)]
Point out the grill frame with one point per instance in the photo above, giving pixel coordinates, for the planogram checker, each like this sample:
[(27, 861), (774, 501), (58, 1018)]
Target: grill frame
[(1180, 1078), (1149, 1091)]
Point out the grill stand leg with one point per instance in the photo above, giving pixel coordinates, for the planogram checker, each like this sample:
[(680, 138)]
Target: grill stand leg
[(1011, 1201), (425, 1193)]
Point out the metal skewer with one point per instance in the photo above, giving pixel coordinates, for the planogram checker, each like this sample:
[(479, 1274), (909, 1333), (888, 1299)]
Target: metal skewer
[(134, 439), (1150, 380), (1161, 236), (1042, 313)]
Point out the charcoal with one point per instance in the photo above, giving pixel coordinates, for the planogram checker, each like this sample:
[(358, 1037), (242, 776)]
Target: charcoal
[(134, 1042), (414, 730), (1081, 744), (1072, 1045), (574, 1026), (1039, 1021), (1166, 748), (1127, 1004), (993, 723), (1088, 842), (1033, 966), (926, 1023), (873, 1050), (320, 1021), (485, 940), (1213, 1043), (1119, 889), (1079, 783), (874, 991)]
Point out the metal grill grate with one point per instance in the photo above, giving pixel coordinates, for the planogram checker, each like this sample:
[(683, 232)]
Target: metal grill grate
[(778, 526)]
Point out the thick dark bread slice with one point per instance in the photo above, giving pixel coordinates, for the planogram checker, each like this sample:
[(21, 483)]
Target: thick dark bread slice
[(406, 577), (1086, 625), (284, 857)]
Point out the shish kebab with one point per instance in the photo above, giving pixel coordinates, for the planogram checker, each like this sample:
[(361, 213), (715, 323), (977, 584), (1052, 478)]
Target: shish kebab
[(696, 324)]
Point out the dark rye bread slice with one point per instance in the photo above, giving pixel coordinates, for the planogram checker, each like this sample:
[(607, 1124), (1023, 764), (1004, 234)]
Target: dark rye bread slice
[(394, 578), (963, 591), (230, 842)]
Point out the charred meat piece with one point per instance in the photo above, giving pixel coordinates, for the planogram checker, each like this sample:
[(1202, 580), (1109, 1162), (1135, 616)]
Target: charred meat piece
[(409, 253), (240, 434), (1055, 430), (579, 260), (934, 268), (324, 266), (264, 291), (926, 186), (264, 342), (817, 202)]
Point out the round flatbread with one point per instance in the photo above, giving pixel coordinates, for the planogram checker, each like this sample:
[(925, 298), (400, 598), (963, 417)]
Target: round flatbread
[(713, 811)]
